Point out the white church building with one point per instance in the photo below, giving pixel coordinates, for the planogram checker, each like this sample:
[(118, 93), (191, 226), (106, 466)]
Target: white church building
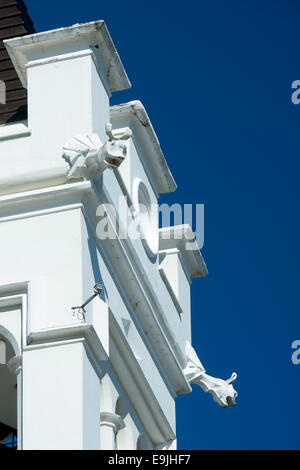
[(95, 321)]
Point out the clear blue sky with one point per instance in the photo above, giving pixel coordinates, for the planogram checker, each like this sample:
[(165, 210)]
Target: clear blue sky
[(215, 77)]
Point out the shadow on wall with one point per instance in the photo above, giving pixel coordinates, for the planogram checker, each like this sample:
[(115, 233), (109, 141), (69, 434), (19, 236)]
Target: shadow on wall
[(95, 264)]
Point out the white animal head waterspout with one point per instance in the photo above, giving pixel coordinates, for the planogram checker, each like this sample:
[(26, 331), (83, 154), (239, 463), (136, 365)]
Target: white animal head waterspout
[(221, 390), (87, 155)]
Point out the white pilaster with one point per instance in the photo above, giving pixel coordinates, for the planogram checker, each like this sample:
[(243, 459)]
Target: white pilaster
[(60, 398)]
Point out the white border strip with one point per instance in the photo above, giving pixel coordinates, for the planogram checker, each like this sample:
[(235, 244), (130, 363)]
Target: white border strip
[(10, 131)]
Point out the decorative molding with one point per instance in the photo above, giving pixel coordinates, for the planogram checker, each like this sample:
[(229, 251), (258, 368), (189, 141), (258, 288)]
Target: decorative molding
[(12, 131), (38, 194), (93, 35), (86, 331), (15, 365), (29, 215), (148, 217), (13, 206), (87, 155), (112, 420), (58, 58)]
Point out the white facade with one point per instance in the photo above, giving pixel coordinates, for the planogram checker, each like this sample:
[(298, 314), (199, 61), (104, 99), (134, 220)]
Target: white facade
[(106, 378)]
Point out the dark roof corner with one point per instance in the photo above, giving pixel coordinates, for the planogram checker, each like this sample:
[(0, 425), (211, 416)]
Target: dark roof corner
[(14, 21)]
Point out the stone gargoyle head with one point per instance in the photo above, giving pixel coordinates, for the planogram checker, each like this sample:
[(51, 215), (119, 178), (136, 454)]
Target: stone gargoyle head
[(87, 155)]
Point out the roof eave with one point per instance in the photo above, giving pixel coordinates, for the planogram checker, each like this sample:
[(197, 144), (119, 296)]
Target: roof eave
[(94, 35)]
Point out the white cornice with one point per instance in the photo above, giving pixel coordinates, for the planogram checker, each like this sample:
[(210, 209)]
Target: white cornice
[(46, 192), (93, 35), (14, 206), (69, 333), (182, 238), (134, 115)]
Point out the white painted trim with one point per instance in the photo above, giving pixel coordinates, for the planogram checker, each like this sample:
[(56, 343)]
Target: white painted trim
[(51, 191), (15, 365), (150, 236), (16, 287), (11, 131), (37, 213), (16, 204), (112, 420), (70, 332), (59, 58), (70, 56), (11, 300), (53, 344)]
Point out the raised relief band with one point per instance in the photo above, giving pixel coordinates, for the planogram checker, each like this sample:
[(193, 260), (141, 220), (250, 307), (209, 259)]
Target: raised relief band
[(15, 364), (112, 420)]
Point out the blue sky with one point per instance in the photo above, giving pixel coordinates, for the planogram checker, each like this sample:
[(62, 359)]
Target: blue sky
[(215, 77)]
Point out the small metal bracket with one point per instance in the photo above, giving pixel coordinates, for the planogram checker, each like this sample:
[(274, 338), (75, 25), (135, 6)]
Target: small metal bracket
[(80, 309)]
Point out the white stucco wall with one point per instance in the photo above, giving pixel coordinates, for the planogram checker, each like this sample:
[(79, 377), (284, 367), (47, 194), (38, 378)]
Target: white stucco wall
[(46, 251)]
